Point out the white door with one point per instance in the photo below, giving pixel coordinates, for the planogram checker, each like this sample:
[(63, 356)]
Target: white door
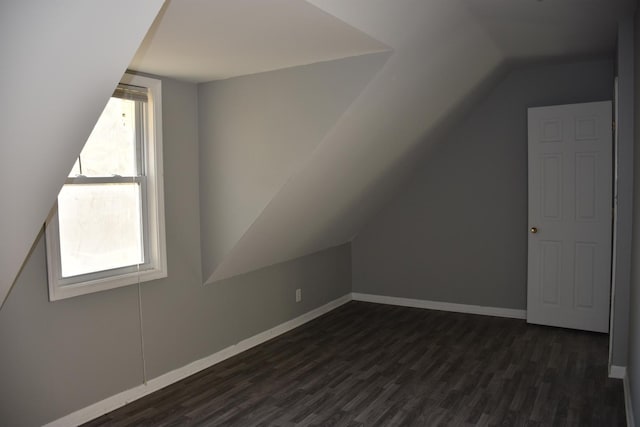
[(570, 185)]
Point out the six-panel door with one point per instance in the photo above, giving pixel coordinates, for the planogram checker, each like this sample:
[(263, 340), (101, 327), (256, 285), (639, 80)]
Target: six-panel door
[(570, 205)]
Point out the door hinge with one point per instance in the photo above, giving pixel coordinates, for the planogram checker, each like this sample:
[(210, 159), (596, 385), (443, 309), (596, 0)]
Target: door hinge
[(613, 125)]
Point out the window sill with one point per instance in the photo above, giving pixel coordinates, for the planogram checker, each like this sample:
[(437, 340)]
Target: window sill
[(60, 292)]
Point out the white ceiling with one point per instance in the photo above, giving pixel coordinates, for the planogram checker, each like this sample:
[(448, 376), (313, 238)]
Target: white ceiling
[(204, 40), (442, 51)]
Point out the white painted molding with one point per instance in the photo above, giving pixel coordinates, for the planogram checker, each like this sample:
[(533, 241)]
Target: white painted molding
[(442, 306), (619, 372), (114, 402)]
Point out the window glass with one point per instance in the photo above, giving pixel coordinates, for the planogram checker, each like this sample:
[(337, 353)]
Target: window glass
[(111, 147), (100, 227), (107, 228)]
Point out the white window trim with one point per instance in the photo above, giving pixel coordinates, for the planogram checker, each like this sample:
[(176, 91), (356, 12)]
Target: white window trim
[(60, 288)]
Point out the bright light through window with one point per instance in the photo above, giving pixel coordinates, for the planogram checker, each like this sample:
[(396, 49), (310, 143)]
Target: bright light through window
[(99, 227), (100, 223), (111, 148), (108, 229)]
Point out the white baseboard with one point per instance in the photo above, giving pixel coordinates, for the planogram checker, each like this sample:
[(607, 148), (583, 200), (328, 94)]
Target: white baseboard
[(620, 372), (442, 306), (627, 401), (114, 402)]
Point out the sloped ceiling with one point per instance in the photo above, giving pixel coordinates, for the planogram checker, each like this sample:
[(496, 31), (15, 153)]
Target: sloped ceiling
[(257, 131), (60, 63), (442, 51), (60, 68), (204, 40), (440, 54)]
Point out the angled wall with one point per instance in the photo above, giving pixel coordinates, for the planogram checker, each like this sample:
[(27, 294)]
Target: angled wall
[(433, 71), (60, 63), (457, 232), (258, 130)]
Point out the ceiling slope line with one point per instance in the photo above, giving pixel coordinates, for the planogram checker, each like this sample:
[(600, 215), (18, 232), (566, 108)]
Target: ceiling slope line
[(440, 133), (219, 274), (298, 168), (252, 247), (379, 59), (232, 38)]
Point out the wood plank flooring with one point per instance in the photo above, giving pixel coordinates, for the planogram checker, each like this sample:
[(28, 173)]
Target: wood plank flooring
[(377, 365)]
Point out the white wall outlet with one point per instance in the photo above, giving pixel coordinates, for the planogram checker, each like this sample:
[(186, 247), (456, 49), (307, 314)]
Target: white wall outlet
[(298, 295)]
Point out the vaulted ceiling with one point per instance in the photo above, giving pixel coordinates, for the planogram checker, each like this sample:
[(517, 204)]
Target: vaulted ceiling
[(422, 64), (200, 40)]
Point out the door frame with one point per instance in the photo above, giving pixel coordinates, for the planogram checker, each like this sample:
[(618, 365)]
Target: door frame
[(614, 226)]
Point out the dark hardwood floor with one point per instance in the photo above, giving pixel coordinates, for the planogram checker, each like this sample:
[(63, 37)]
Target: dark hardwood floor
[(378, 365)]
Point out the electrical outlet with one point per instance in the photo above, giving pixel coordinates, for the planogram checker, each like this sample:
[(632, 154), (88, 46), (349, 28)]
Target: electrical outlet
[(298, 295)]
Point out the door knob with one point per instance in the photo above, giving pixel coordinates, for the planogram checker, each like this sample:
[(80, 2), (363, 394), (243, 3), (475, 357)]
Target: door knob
[(534, 230)]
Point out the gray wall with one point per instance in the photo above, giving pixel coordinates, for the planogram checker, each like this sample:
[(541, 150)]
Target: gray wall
[(633, 364), (58, 357), (440, 54), (256, 131), (624, 205), (458, 231)]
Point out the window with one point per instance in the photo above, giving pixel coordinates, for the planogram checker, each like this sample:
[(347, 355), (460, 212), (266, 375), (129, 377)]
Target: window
[(107, 228)]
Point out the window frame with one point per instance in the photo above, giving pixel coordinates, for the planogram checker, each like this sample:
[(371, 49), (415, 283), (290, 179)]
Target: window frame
[(150, 179)]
